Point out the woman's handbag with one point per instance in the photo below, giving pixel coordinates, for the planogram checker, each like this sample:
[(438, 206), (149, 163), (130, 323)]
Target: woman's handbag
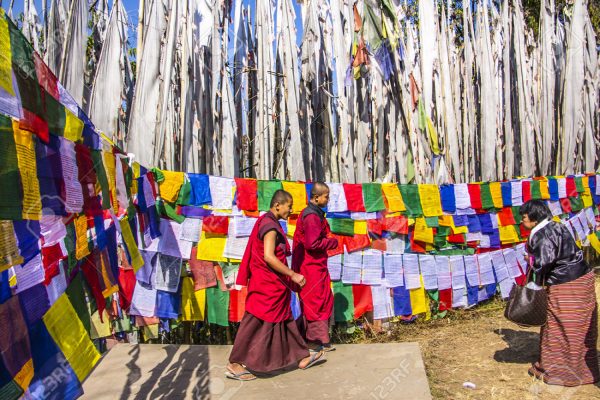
[(526, 306)]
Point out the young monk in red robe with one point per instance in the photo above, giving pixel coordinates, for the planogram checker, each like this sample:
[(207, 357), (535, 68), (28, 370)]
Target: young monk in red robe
[(312, 239), (268, 338)]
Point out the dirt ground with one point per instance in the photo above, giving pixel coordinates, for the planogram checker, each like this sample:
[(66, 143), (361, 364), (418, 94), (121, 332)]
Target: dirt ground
[(482, 347)]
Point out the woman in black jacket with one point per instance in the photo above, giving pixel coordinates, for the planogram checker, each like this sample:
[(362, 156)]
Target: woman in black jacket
[(568, 354)]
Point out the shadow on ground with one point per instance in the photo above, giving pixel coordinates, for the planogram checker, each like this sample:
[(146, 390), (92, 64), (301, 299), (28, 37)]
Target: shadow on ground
[(170, 377), (523, 346)]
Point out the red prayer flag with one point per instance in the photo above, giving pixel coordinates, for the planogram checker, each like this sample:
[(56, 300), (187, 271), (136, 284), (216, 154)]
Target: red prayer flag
[(445, 299), (375, 226), (34, 124), (363, 300), (45, 77), (203, 272), (475, 195), (340, 247), (506, 217), (126, 286), (356, 242), (526, 191), (237, 304), (571, 187), (215, 224), (456, 238), (379, 244), (247, 194), (354, 197), (396, 224), (566, 205)]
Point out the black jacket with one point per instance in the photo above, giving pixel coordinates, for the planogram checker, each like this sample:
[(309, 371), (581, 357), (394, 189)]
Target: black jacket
[(557, 259)]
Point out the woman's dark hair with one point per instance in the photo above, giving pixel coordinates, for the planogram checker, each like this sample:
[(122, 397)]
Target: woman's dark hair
[(536, 210)]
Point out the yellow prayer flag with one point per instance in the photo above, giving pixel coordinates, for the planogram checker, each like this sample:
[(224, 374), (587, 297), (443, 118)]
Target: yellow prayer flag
[(446, 220), (68, 333), (360, 227), (81, 244), (73, 126), (594, 242), (298, 192), (169, 188), (151, 331), (9, 252), (111, 175), (210, 247), (587, 199), (393, 197), (291, 229), (25, 375), (496, 192), (508, 234), (418, 300), (422, 232), (137, 261), (544, 190), (107, 280), (6, 82), (430, 200), (193, 303), (99, 329), (25, 146)]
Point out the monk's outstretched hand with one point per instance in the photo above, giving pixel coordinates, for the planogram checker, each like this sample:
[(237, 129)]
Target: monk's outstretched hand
[(299, 279)]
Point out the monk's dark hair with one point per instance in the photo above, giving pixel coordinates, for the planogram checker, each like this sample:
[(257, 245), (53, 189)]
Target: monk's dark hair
[(318, 188), (536, 210), (280, 196)]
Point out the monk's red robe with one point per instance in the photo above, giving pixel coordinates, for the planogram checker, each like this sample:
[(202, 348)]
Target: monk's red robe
[(268, 291), (309, 258)]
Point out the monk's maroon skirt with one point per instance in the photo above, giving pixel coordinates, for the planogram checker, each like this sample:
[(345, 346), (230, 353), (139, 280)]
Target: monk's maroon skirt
[(266, 346)]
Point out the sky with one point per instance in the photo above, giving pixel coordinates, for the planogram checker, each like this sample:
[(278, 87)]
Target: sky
[(132, 8)]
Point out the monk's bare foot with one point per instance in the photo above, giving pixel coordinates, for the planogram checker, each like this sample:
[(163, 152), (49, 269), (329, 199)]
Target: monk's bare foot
[(309, 361)]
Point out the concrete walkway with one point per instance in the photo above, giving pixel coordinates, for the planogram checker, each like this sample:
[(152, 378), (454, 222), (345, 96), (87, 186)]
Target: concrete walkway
[(360, 371)]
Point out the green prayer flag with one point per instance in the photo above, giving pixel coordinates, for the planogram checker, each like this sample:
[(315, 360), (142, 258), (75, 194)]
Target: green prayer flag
[(412, 200), (102, 178), (184, 194), (343, 302), (432, 222), (166, 210), (576, 203), (266, 189), (23, 66), (516, 214), (341, 226), (217, 306), (70, 246), (373, 197), (55, 115), (536, 191), (579, 184), (11, 390), (76, 294), (486, 196), (443, 231), (11, 200)]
